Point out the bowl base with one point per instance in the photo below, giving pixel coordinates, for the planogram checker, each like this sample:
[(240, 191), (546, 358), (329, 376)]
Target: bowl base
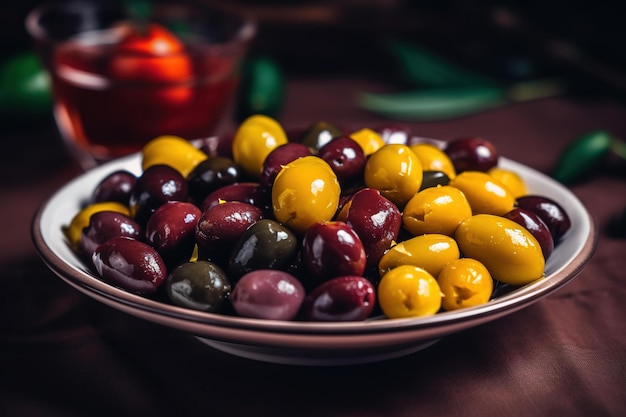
[(313, 358)]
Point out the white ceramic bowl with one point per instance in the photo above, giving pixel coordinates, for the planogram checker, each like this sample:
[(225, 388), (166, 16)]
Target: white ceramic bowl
[(306, 343)]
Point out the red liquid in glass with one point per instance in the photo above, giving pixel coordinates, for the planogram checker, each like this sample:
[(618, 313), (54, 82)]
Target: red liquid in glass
[(106, 117)]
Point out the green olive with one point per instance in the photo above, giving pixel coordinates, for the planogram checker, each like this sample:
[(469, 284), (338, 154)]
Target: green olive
[(199, 285)]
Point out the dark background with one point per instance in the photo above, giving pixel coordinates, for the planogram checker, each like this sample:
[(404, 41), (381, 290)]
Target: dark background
[(581, 40)]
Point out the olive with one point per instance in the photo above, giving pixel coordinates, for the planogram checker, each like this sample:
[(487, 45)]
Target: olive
[(220, 226), (551, 212), (331, 249), (199, 285), (130, 264), (345, 298), (319, 134), (264, 245), (394, 133), (245, 192), (210, 175), (268, 294), (509, 251), (171, 230), (157, 185), (533, 223), (117, 186), (472, 154), (433, 179), (279, 157), (104, 225), (375, 219), (345, 157)]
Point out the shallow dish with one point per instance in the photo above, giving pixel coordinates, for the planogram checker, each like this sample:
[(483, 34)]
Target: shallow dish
[(306, 343)]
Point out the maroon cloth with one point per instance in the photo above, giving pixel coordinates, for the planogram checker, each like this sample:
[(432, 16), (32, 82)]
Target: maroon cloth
[(62, 354)]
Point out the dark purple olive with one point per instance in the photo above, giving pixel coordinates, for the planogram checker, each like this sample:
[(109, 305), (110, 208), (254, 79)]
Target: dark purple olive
[(268, 294), (264, 245), (156, 186), (434, 179), (533, 223), (472, 154), (130, 264), (117, 186), (221, 226), (332, 249), (200, 285), (171, 230), (347, 298), (375, 219), (211, 174), (245, 192), (104, 225), (279, 157), (345, 157), (319, 134), (394, 133), (551, 212), (217, 145)]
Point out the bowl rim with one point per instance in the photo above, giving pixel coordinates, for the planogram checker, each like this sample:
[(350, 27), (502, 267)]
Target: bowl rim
[(205, 323)]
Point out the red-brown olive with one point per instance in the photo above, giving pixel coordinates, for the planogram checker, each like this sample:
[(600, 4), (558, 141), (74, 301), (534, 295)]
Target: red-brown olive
[(533, 223), (199, 285), (346, 298), (104, 225), (211, 174), (268, 294), (331, 249), (395, 133), (171, 230), (156, 186), (246, 192), (221, 226), (376, 221), (551, 212), (130, 264), (264, 245), (472, 154), (345, 157), (117, 186), (279, 157)]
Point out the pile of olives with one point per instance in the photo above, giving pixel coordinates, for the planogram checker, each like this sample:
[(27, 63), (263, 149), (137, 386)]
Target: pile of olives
[(320, 225)]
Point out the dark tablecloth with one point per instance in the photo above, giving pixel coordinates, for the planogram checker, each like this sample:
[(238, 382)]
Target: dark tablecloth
[(62, 354)]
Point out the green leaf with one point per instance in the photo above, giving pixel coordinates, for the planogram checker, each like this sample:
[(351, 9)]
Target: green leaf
[(423, 68), (582, 155), (433, 104)]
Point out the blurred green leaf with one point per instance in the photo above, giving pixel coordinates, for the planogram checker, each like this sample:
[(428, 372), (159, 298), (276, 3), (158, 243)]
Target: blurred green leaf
[(25, 89), (433, 104)]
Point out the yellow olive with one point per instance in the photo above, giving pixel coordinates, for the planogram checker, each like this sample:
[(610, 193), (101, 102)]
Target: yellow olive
[(255, 138), (434, 159), (512, 180), (464, 282), (508, 250), (73, 231), (305, 191), (174, 151), (436, 210), (408, 291), (395, 171), (486, 194), (430, 252), (368, 140)]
